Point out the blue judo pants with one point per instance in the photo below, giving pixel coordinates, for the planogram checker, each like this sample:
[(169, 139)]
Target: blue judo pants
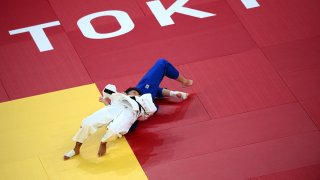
[(150, 82)]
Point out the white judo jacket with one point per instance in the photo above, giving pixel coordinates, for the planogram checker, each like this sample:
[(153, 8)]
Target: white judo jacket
[(142, 105)]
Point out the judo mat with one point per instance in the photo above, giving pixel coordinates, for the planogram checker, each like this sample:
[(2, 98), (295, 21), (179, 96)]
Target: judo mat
[(253, 110)]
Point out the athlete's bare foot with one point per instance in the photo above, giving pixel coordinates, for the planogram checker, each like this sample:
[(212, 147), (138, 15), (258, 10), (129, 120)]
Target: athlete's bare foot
[(102, 149), (182, 95), (71, 153), (187, 83)]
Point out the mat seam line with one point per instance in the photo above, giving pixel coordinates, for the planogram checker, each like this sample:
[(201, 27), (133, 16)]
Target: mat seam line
[(271, 45), (140, 8), (5, 90), (268, 60), (43, 167), (284, 171), (241, 146), (259, 109), (227, 116), (290, 41), (198, 98), (75, 50), (204, 107), (289, 89)]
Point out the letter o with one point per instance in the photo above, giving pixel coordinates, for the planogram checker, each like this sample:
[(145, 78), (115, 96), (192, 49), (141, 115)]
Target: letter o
[(88, 30)]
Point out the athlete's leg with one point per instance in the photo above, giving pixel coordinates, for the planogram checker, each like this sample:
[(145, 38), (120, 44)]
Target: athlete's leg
[(89, 126), (117, 128), (160, 69), (96, 120), (178, 94)]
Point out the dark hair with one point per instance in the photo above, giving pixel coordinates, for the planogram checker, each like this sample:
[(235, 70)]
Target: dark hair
[(133, 89)]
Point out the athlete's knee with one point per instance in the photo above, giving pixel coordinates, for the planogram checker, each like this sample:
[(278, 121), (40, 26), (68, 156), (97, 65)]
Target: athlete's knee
[(87, 122), (162, 62)]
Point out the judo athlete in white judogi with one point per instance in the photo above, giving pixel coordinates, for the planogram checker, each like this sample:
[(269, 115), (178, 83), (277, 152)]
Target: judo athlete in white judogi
[(118, 116)]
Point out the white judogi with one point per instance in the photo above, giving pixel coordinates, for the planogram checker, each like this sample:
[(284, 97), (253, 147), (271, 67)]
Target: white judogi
[(118, 116)]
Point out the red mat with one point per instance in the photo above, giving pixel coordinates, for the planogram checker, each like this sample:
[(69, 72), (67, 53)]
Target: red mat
[(304, 84), (237, 83), (30, 72), (294, 56), (278, 21), (298, 63), (193, 139), (311, 106), (306, 87), (244, 162), (309, 173)]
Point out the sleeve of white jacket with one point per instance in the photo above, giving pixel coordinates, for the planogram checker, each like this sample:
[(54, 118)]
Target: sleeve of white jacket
[(108, 90), (149, 106)]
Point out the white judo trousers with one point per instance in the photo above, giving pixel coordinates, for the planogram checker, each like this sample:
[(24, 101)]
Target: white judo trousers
[(117, 117)]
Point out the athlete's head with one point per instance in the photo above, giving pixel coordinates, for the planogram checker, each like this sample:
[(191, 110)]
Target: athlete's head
[(133, 91)]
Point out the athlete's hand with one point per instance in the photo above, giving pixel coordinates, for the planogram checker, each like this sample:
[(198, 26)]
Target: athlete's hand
[(103, 101)]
